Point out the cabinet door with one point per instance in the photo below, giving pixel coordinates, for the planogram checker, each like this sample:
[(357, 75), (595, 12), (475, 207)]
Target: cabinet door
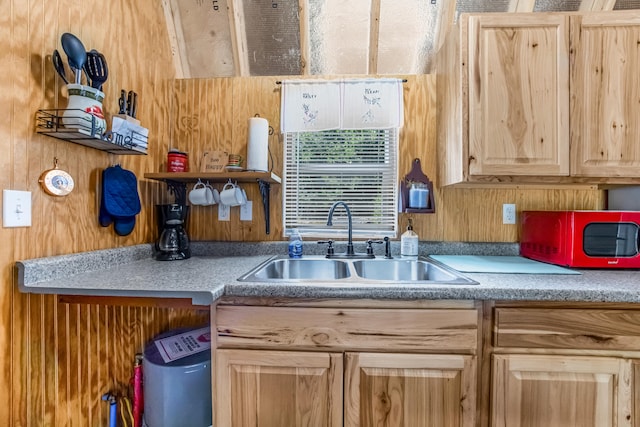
[(519, 94), (409, 390), (561, 391), (605, 94), (278, 389)]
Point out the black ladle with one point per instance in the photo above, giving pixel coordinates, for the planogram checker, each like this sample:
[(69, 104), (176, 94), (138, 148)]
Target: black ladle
[(76, 54), (59, 65)]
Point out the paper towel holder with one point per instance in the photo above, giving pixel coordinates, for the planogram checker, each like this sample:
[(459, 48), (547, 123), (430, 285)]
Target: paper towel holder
[(262, 164)]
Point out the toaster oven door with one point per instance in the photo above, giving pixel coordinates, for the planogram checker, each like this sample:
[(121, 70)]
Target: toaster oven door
[(611, 239)]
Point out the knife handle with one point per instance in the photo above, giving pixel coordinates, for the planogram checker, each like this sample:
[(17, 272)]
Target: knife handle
[(134, 105)]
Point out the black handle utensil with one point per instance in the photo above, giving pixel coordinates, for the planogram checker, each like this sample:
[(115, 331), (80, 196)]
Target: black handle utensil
[(134, 105), (96, 69), (122, 102), (76, 54), (59, 65)]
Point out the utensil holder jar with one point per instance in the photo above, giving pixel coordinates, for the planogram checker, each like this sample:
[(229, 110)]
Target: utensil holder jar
[(84, 110)]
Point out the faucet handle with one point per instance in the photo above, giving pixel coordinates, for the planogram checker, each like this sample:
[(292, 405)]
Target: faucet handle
[(330, 250), (370, 245)]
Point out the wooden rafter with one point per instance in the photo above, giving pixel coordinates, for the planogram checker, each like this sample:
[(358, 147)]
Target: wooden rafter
[(238, 38), (176, 39), (305, 44), (521, 5), (445, 20), (597, 5), (374, 36)]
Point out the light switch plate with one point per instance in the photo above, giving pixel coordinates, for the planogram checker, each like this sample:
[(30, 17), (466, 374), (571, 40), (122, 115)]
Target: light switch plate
[(16, 208), (246, 211)]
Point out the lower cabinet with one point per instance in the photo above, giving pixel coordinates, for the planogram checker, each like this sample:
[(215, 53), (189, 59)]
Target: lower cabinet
[(407, 390), (345, 363), (278, 388), (569, 365), (351, 363), (308, 389), (562, 391)]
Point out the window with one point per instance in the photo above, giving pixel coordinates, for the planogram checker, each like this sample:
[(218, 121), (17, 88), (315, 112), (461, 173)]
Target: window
[(356, 166)]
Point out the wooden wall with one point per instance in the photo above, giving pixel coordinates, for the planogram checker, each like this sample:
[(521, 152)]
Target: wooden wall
[(213, 114), (58, 358)]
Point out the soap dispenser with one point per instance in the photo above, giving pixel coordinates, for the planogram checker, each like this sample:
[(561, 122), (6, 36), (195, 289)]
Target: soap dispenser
[(409, 242), (295, 244)]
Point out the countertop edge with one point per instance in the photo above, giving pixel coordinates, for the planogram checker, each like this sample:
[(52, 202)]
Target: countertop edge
[(206, 278)]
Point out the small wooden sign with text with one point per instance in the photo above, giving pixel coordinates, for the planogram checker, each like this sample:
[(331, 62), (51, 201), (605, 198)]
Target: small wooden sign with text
[(213, 161)]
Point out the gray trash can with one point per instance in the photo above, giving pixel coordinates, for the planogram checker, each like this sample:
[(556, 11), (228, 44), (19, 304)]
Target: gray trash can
[(178, 393)]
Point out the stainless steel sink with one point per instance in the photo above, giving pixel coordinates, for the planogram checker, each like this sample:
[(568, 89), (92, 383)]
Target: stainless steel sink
[(320, 269), (403, 270), (298, 269)]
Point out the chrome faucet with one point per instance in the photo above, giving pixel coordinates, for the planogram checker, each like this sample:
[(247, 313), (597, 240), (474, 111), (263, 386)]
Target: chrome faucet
[(350, 251)]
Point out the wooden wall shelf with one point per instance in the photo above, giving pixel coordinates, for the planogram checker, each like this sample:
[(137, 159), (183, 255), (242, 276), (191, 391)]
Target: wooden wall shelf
[(177, 182), (214, 177), (49, 122)]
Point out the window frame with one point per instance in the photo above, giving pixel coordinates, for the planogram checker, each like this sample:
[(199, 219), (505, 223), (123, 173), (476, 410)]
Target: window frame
[(301, 177)]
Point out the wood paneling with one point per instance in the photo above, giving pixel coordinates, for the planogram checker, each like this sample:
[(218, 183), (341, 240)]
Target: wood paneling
[(218, 110), (57, 359)]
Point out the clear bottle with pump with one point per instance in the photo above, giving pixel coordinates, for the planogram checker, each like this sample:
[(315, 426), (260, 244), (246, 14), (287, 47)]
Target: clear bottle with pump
[(295, 244), (409, 242)]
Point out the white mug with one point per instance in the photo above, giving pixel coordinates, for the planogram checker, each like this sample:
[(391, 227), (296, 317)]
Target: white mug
[(231, 195), (201, 195), (215, 195)]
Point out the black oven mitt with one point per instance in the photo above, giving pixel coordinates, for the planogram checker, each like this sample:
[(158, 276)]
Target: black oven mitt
[(120, 202)]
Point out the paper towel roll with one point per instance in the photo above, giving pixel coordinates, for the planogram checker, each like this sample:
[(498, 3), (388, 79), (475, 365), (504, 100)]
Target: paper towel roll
[(258, 145)]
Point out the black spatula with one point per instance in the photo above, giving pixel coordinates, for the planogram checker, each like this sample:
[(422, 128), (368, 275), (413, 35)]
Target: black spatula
[(96, 68)]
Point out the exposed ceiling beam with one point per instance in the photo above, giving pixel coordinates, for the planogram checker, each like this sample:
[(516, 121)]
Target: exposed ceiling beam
[(238, 38), (176, 39), (445, 20), (305, 44), (374, 36), (597, 5), (521, 5)]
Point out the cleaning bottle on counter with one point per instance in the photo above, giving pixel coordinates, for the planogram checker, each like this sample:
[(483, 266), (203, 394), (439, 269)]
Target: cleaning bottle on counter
[(409, 242), (295, 244)]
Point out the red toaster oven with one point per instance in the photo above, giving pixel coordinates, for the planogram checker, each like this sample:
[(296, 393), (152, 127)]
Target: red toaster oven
[(591, 239)]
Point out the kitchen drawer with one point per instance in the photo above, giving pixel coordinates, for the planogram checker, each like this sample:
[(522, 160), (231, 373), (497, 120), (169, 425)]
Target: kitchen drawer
[(408, 330), (594, 329)]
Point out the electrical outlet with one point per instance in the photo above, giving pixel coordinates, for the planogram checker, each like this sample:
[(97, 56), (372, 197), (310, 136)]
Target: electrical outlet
[(246, 211), (509, 213), (224, 212), (16, 208)]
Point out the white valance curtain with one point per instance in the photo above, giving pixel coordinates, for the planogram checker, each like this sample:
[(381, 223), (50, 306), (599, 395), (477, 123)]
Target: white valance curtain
[(317, 105)]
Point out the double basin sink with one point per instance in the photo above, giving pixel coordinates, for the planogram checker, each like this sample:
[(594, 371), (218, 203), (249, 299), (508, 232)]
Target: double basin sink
[(320, 269)]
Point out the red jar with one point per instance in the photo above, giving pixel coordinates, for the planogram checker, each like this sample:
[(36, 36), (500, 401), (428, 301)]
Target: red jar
[(177, 161)]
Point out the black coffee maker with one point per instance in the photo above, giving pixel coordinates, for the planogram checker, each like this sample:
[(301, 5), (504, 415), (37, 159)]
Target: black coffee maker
[(173, 243)]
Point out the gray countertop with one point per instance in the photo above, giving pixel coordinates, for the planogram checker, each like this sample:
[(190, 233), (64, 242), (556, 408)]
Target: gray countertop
[(213, 270)]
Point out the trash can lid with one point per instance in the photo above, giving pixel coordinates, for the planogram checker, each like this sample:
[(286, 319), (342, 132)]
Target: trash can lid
[(152, 353)]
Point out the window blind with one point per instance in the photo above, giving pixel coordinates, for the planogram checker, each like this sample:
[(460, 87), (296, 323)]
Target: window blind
[(358, 167)]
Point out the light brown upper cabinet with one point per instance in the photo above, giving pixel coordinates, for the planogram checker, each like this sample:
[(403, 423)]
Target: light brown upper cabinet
[(605, 101), (539, 98)]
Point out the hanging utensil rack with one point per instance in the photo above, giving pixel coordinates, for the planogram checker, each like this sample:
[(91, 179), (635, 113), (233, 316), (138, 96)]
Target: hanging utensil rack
[(49, 122)]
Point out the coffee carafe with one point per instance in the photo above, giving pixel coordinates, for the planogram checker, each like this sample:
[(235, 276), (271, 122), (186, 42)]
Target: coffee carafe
[(173, 243)]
